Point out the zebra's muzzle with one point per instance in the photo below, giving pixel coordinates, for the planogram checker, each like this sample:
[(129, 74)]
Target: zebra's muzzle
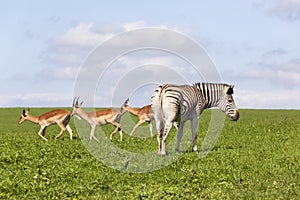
[(236, 116)]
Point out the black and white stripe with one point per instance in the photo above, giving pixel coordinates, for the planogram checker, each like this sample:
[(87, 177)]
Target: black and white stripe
[(184, 102)]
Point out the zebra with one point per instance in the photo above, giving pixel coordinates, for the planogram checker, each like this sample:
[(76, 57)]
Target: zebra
[(185, 102)]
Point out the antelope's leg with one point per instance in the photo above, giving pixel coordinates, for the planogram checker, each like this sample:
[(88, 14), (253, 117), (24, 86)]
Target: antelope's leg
[(62, 127), (137, 125), (40, 133), (175, 125), (150, 128), (92, 134), (44, 131), (118, 126), (70, 131), (121, 134)]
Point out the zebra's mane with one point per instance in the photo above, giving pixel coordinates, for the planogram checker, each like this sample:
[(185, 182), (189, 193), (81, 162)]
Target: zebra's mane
[(210, 86), (211, 92)]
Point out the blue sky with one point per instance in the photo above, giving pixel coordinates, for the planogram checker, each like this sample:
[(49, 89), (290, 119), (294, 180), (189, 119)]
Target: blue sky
[(254, 44)]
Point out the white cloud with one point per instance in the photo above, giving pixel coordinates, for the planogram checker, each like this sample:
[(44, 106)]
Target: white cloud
[(82, 35), (67, 52), (283, 99), (287, 74), (91, 34), (274, 75), (285, 9), (133, 25), (275, 52), (36, 100), (57, 73)]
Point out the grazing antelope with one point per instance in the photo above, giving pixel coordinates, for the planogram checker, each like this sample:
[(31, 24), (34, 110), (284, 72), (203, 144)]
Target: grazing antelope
[(145, 114), (100, 117), (59, 116)]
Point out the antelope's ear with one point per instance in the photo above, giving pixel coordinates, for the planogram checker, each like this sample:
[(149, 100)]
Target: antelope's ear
[(126, 102), (81, 103), (230, 90), (24, 113)]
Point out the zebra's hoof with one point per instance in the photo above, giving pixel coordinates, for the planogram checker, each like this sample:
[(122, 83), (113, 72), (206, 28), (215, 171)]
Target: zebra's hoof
[(195, 148)]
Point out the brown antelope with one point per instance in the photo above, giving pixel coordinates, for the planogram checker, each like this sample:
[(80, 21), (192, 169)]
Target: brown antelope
[(100, 117), (145, 114), (59, 116)]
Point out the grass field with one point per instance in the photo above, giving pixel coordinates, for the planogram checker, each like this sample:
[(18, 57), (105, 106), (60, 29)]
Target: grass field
[(257, 157)]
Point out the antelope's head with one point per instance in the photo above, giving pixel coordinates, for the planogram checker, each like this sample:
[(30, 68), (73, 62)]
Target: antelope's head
[(227, 104), (124, 107), (23, 116), (76, 106)]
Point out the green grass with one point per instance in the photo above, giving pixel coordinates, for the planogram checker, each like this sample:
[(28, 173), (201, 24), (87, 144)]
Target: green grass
[(257, 157)]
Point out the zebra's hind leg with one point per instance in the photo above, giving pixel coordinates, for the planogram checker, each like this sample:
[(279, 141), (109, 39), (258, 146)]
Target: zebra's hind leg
[(179, 136), (160, 131), (159, 139), (167, 129)]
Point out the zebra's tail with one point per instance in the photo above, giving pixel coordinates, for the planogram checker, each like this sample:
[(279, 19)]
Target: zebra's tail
[(156, 105)]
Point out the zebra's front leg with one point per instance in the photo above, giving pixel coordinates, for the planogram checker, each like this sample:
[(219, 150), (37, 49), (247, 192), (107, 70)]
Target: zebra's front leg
[(179, 135), (194, 125)]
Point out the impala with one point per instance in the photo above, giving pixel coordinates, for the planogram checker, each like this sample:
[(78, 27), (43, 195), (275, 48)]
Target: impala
[(145, 114), (59, 116), (100, 117)]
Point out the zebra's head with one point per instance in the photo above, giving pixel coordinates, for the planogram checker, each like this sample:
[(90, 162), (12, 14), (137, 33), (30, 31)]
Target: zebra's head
[(227, 105)]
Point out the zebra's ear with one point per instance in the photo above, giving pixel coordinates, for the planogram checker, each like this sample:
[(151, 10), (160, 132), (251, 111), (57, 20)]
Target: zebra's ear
[(230, 90)]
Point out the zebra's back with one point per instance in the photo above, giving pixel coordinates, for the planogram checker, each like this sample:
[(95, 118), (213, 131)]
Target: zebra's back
[(176, 102)]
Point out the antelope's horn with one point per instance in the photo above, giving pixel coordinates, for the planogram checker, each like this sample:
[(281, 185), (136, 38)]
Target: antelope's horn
[(73, 103), (77, 101)]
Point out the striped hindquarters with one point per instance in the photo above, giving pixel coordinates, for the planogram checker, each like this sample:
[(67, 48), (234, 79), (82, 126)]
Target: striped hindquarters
[(175, 101)]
